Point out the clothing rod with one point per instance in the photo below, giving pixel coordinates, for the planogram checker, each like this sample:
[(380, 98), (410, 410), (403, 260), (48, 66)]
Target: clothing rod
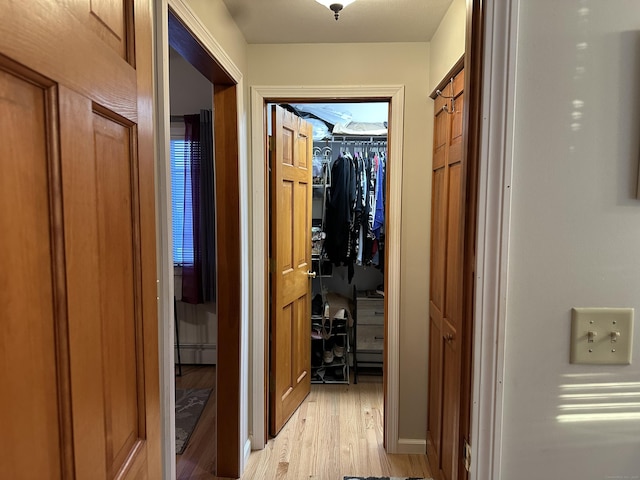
[(378, 139)]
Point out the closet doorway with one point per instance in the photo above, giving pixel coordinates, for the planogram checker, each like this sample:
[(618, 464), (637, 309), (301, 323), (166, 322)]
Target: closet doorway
[(327, 169), (386, 362)]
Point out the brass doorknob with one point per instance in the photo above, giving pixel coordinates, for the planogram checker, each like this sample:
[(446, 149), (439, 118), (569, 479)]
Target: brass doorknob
[(311, 274), (449, 337)]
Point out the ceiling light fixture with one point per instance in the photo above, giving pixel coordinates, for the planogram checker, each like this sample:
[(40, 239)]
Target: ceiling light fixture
[(335, 7)]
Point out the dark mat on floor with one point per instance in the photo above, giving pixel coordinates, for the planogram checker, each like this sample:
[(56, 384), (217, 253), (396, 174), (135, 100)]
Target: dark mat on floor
[(190, 403)]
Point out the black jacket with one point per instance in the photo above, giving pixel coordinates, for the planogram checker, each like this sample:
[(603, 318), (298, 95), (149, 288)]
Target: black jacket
[(340, 203)]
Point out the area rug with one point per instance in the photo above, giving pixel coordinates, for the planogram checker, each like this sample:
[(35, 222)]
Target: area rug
[(383, 478), (190, 403)]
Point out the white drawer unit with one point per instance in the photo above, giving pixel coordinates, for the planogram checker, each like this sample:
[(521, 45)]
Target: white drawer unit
[(371, 311), (369, 332)]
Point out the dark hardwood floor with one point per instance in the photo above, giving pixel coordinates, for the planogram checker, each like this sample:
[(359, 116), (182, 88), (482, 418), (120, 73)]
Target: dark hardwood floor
[(198, 460)]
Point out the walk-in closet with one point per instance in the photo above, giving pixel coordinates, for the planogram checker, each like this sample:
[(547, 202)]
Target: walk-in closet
[(348, 207)]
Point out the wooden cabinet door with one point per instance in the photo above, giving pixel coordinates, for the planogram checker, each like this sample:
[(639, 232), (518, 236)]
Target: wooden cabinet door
[(79, 337), (445, 305), (290, 349)]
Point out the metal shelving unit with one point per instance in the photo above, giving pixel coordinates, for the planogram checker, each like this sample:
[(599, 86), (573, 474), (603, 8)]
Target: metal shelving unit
[(338, 370)]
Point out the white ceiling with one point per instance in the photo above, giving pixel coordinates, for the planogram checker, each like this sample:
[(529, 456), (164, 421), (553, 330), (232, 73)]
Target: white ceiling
[(306, 21)]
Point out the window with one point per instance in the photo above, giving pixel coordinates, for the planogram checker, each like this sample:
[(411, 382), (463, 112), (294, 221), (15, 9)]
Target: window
[(181, 197)]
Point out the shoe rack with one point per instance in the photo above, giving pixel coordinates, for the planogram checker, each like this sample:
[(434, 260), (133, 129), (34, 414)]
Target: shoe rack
[(330, 349)]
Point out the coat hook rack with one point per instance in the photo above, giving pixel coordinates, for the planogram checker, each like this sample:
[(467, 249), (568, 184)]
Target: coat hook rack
[(440, 94), (448, 97)]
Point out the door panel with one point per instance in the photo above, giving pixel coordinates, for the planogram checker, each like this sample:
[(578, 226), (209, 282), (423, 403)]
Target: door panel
[(438, 240), (437, 285), (109, 20), (434, 418), (441, 130), (61, 47), (290, 357), (118, 285), (450, 402), (27, 298), (300, 340), (453, 298), (285, 228), (80, 290), (302, 241), (446, 299), (83, 286)]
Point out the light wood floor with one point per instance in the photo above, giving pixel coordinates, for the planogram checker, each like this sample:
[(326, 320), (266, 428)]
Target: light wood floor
[(336, 432)]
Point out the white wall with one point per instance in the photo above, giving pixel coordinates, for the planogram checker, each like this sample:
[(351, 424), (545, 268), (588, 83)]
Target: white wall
[(447, 44), (575, 237), (215, 16), (382, 64), (189, 90)]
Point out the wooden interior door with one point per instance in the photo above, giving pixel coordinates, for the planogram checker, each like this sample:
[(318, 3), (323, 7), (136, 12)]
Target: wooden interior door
[(290, 330), (79, 338), (446, 299)]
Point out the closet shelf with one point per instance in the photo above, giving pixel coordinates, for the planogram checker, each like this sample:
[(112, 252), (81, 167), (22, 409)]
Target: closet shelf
[(336, 363)]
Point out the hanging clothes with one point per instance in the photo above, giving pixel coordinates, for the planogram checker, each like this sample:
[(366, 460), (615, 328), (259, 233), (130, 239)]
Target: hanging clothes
[(355, 209), (379, 215), (378, 221), (360, 213), (340, 204), (370, 239)]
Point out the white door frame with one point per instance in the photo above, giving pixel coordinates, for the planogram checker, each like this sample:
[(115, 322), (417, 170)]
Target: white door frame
[(166, 328), (164, 242), (260, 94), (494, 219)]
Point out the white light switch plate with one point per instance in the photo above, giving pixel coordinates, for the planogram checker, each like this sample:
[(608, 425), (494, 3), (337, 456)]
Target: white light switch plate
[(601, 336)]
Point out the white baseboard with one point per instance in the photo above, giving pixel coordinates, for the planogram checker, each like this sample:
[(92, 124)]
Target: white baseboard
[(412, 446), (246, 453), (198, 354)]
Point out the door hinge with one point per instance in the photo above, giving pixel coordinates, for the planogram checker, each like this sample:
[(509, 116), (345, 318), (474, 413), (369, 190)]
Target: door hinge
[(466, 454), (272, 265), (272, 143)]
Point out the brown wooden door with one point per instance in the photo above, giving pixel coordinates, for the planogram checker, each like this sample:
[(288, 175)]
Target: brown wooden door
[(445, 306), (290, 348), (77, 289)]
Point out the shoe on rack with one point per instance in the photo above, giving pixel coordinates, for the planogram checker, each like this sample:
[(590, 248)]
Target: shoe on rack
[(338, 348), (316, 305), (339, 325), (316, 357), (327, 356)]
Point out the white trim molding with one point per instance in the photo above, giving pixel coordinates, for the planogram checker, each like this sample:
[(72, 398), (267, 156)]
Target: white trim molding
[(190, 20), (164, 242), (246, 451), (494, 215), (198, 353), (260, 94), (412, 446)]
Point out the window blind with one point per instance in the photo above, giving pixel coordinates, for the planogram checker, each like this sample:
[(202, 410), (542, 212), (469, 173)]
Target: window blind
[(181, 197)]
